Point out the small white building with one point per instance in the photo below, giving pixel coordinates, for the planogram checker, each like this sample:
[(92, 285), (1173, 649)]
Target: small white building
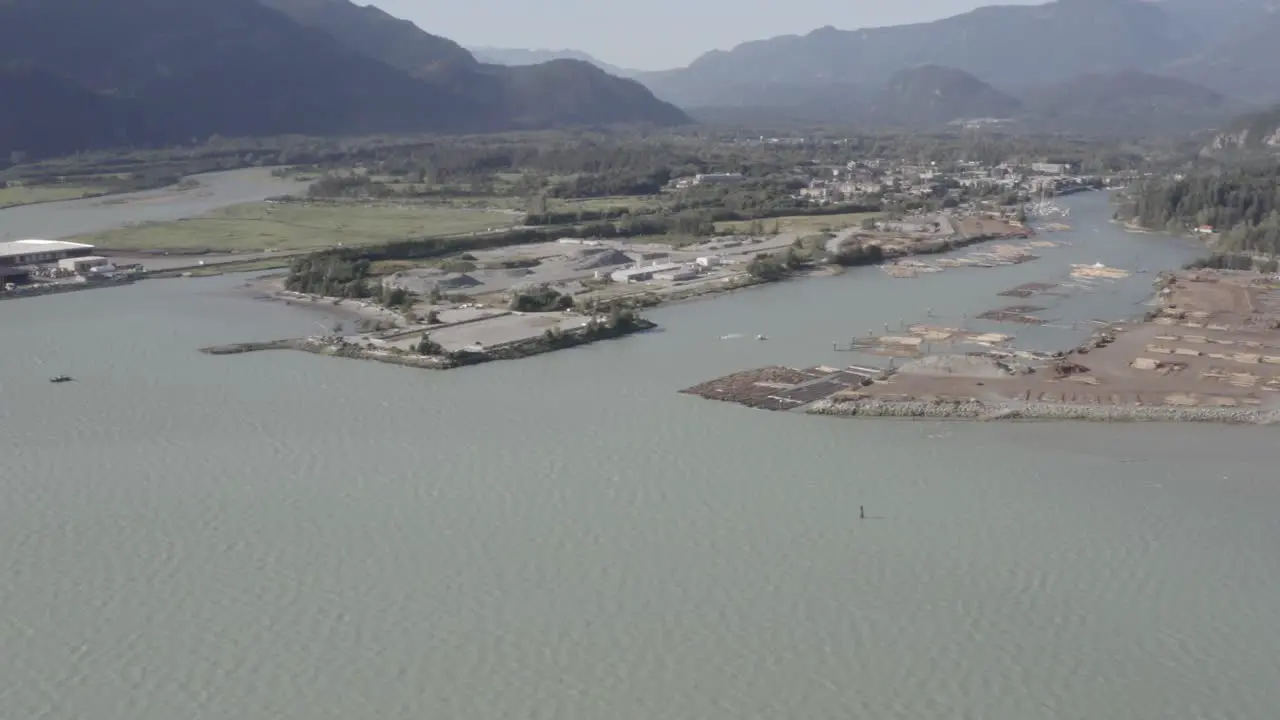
[(83, 265), (709, 261)]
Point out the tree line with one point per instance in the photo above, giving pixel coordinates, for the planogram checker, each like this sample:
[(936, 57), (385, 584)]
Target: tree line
[(1241, 204)]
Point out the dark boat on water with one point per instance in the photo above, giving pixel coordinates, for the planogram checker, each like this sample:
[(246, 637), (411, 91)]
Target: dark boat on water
[(61, 379)]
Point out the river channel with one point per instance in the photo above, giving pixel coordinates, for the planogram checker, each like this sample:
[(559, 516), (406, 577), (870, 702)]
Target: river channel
[(281, 535), (68, 218)]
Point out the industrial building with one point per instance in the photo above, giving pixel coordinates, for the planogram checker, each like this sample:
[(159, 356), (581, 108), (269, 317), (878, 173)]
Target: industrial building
[(17, 257), (1048, 168), (663, 271), (40, 252), (85, 265)]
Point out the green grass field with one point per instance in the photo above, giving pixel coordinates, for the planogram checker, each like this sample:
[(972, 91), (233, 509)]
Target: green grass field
[(23, 195), (802, 224), (295, 226)]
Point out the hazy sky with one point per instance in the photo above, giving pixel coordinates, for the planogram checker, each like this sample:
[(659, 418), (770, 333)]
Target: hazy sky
[(656, 34)]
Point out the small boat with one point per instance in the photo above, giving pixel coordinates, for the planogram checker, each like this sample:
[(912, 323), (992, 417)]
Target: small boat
[(761, 337), (61, 379)]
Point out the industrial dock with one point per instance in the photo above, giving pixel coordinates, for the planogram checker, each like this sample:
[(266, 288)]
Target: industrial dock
[(1210, 351)]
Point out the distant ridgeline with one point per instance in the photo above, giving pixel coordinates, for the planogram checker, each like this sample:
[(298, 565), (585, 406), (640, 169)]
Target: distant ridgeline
[(1240, 205), (83, 74)]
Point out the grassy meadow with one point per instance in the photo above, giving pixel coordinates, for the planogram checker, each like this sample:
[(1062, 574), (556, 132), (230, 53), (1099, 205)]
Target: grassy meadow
[(258, 227), (15, 195)]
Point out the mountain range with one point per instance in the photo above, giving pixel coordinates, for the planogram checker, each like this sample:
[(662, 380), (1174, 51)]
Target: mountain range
[(519, 56), (1259, 130), (146, 72), (78, 74), (1186, 49)]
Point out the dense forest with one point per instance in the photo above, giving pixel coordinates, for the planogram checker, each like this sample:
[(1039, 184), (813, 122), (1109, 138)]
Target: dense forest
[(577, 162), (1241, 204), (561, 165), (587, 163), (130, 73)]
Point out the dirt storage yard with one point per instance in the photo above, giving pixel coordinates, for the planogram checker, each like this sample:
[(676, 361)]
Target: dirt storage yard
[(1215, 342), (1210, 352)]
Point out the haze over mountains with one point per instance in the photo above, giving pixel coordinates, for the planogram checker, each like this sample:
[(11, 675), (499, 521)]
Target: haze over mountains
[(519, 56), (1073, 65), (1255, 131), (1140, 56), (1007, 46), (78, 74)]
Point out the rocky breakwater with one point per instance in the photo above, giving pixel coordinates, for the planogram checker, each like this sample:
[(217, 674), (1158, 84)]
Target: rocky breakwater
[(238, 348), (974, 409), (335, 347)]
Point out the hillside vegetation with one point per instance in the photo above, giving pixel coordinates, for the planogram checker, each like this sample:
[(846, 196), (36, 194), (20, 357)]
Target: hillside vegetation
[(1114, 66), (151, 72), (1241, 204)]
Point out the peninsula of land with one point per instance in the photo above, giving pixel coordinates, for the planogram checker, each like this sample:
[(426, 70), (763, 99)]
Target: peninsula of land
[(436, 252), (521, 300), (1209, 352)]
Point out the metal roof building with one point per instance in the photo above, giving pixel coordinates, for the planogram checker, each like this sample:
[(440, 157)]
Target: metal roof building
[(643, 273), (35, 252)]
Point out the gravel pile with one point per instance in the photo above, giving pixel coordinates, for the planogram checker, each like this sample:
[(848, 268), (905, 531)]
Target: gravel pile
[(599, 258)]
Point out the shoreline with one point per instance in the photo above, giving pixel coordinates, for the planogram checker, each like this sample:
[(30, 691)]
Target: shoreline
[(529, 347), (270, 288), (365, 346), (1210, 353), (63, 288), (47, 201), (1038, 411)]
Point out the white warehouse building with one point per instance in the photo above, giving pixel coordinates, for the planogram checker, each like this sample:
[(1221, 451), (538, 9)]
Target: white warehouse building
[(657, 271)]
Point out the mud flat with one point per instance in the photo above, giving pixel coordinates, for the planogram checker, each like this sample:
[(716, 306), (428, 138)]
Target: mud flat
[(1209, 353)]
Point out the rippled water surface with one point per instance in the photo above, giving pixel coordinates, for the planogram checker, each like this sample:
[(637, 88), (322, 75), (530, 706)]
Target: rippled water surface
[(280, 535)]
